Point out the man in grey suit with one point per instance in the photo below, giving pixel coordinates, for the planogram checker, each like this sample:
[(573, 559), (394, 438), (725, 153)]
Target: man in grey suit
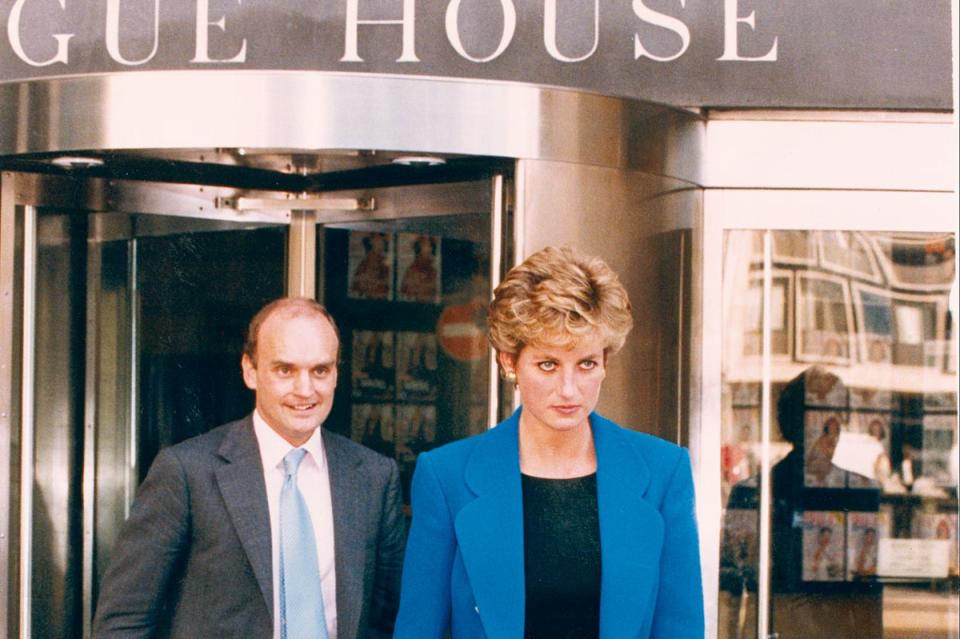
[(216, 535)]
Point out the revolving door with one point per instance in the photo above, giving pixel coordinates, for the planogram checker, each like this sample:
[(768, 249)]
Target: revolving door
[(135, 297)]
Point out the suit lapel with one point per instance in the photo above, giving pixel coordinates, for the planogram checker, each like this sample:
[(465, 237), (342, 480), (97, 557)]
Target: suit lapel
[(348, 497), (241, 484), (631, 532), (490, 531)]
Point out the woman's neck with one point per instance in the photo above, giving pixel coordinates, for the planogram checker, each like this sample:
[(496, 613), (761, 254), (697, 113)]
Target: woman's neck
[(556, 454)]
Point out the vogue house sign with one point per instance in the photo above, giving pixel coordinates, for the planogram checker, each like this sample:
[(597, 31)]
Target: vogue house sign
[(686, 52)]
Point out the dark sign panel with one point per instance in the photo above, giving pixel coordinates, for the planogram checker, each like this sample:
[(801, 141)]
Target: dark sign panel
[(782, 53)]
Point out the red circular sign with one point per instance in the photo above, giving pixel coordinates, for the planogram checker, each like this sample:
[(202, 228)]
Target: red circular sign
[(460, 331)]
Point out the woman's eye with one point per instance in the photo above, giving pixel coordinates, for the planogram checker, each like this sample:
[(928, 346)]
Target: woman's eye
[(548, 366), (588, 364)]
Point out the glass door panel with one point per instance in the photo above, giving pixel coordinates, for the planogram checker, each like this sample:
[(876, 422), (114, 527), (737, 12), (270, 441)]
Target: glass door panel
[(139, 326), (839, 365)]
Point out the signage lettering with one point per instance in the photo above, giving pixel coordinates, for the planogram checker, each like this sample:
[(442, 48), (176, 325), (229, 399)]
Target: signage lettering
[(113, 33), (203, 32), (13, 34), (613, 48), (661, 20), (407, 54), (453, 30), (550, 32), (730, 23)]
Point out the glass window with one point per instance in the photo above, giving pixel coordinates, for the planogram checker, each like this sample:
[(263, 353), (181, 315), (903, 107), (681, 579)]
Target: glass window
[(862, 435)]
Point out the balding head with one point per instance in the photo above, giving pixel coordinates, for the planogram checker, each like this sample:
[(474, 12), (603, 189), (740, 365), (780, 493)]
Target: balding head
[(287, 308)]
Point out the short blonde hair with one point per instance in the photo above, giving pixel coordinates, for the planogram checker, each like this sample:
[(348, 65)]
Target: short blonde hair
[(557, 296)]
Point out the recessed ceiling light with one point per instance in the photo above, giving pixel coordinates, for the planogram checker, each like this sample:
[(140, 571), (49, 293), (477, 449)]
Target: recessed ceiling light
[(419, 160), (76, 162)]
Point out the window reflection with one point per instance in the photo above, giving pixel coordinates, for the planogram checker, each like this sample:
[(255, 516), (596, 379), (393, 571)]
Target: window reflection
[(863, 435)]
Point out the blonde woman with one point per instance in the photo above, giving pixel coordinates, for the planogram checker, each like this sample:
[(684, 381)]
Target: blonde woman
[(557, 522)]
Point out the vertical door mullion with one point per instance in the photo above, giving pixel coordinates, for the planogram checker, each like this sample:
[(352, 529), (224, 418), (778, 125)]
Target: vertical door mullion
[(763, 581), (496, 257), (9, 235), (132, 475), (27, 413), (91, 377)]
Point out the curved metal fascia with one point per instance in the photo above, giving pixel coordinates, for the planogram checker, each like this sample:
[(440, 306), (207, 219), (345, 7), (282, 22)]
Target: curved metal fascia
[(323, 110)]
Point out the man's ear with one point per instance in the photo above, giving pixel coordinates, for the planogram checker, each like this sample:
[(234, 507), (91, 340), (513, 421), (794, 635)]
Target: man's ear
[(249, 372)]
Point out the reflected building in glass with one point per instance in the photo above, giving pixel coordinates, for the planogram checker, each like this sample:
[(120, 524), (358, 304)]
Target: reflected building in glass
[(849, 338)]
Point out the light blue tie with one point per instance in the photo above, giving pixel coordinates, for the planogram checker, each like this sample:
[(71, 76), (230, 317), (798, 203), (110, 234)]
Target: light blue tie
[(301, 598)]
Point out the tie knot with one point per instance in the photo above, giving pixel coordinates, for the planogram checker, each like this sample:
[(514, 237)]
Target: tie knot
[(291, 461)]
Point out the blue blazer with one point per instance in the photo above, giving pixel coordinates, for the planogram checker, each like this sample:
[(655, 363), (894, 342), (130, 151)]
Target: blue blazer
[(463, 569)]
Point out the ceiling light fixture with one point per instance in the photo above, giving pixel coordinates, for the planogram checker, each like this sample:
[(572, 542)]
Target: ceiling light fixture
[(419, 160), (76, 162)]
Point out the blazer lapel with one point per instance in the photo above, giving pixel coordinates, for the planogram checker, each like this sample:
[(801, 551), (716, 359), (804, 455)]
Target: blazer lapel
[(490, 531), (241, 484), (631, 532), (347, 494)]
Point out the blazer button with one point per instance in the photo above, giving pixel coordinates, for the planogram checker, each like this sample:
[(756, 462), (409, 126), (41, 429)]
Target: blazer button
[(476, 609)]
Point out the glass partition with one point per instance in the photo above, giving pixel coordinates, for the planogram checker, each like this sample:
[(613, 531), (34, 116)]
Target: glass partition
[(839, 435)]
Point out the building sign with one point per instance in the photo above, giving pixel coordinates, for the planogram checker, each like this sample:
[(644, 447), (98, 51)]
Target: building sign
[(783, 53)]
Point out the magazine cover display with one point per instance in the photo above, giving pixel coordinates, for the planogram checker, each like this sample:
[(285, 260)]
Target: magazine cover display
[(373, 370), (864, 532), (418, 268), (416, 366), (373, 426), (821, 434), (370, 265), (416, 429), (823, 546), (941, 526)]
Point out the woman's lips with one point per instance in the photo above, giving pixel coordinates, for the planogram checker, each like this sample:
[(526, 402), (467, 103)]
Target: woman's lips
[(567, 409)]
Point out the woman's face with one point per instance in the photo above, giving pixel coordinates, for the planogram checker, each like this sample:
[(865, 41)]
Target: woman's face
[(559, 387)]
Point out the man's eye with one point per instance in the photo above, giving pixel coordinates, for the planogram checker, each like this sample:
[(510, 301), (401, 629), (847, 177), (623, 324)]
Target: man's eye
[(284, 370), (321, 371)]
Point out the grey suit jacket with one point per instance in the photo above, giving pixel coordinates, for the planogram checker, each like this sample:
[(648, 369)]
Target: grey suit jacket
[(194, 557)]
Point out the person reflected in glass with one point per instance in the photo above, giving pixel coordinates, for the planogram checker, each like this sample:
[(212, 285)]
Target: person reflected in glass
[(810, 596), (557, 522)]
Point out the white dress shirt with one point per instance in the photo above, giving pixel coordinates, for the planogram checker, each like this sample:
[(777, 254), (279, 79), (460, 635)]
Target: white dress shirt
[(314, 483)]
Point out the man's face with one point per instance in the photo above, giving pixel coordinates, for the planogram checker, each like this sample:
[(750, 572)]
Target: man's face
[(295, 373)]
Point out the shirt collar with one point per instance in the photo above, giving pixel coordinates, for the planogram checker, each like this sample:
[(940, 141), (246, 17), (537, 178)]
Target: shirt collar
[(273, 447)]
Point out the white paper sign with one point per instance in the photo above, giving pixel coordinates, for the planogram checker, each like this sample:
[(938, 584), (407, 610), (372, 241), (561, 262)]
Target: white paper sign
[(913, 558), (858, 453)]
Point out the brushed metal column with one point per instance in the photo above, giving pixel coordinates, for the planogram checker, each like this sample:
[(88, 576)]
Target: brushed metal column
[(302, 254)]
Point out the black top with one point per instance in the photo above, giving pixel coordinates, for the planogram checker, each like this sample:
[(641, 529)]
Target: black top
[(561, 540)]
